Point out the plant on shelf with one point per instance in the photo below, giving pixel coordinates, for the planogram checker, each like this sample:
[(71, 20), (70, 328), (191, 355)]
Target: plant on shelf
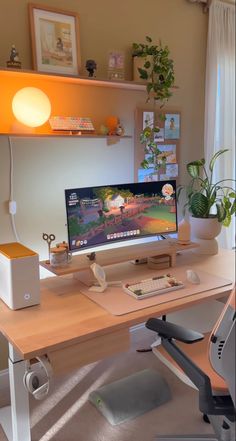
[(205, 198), (158, 72)]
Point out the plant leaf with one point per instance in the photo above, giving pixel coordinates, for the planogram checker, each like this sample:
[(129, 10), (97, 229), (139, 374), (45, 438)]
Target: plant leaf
[(227, 220), (221, 212), (199, 205), (147, 64), (193, 169), (143, 73), (214, 158)]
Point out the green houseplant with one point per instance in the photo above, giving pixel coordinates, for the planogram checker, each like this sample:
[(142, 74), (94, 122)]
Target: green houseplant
[(205, 198), (158, 72)]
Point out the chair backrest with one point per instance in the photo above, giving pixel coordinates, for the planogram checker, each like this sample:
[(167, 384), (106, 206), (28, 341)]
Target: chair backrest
[(222, 344)]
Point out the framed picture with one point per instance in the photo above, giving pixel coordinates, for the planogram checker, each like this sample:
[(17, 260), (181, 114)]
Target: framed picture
[(55, 40), (116, 65)]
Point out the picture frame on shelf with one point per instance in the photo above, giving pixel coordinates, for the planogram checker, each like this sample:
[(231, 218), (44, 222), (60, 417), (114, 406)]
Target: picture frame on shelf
[(55, 40), (116, 65)]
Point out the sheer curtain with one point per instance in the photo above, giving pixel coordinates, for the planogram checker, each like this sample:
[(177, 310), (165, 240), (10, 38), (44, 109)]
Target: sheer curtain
[(220, 97)]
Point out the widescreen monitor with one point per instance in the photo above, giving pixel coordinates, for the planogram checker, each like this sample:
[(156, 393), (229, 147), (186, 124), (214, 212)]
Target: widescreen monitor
[(110, 214)]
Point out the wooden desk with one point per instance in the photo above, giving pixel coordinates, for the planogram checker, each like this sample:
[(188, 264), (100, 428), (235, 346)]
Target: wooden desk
[(68, 321)]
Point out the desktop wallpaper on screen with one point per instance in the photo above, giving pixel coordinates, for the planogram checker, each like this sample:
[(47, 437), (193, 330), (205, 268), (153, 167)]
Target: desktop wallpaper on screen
[(108, 214)]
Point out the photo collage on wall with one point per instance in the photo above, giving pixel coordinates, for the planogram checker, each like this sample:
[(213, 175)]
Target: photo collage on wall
[(163, 164)]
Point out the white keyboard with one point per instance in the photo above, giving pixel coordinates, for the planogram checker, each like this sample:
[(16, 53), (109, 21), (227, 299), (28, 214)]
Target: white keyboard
[(151, 287), (71, 123)]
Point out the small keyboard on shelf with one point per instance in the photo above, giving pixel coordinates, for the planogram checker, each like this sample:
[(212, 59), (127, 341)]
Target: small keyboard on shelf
[(71, 123), (152, 287)]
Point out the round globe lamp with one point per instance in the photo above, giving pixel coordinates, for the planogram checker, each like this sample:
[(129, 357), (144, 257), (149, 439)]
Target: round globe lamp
[(31, 107)]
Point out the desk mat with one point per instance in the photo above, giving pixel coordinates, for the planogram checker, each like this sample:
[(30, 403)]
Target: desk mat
[(118, 302)]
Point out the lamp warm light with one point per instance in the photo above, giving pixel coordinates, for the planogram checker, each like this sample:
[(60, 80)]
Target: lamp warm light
[(31, 106)]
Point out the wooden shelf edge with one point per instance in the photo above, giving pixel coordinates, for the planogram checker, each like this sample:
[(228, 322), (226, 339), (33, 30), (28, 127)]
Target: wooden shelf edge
[(83, 81), (106, 258), (63, 135)]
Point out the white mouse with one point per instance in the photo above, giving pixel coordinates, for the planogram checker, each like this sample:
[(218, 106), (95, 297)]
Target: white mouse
[(192, 277)]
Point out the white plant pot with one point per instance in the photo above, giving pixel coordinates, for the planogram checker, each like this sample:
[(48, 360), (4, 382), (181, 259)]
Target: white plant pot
[(204, 231)]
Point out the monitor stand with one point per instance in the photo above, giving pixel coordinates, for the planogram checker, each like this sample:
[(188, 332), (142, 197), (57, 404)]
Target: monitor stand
[(80, 264)]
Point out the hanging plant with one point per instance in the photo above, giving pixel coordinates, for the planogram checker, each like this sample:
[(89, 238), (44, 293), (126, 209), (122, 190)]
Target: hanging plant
[(158, 72)]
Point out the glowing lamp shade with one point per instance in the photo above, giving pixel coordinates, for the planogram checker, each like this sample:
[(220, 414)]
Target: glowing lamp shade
[(31, 106)]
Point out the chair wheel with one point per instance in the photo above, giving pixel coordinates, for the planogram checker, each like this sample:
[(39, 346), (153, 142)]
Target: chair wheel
[(205, 418)]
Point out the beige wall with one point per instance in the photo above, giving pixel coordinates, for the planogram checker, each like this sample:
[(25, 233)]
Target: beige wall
[(44, 167)]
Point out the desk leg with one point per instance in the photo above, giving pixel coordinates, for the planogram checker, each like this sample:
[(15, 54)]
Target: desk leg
[(19, 397)]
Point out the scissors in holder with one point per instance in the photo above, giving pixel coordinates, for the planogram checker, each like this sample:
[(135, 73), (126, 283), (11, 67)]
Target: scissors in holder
[(49, 238)]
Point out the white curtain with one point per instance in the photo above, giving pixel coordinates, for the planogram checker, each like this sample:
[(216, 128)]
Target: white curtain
[(220, 97)]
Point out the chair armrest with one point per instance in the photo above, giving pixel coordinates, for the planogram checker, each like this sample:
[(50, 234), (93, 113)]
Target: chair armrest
[(170, 330)]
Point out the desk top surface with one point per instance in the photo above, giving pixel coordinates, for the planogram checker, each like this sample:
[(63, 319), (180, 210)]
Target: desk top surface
[(65, 316)]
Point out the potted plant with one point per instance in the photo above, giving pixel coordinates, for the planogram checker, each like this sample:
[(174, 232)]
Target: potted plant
[(157, 70), (210, 204)]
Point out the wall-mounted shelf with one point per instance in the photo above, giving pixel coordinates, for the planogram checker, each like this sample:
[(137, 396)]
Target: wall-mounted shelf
[(68, 97), (61, 135), (83, 81)]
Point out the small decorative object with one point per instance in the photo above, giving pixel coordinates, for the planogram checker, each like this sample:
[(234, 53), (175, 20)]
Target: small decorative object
[(208, 202), (104, 130), (60, 255), (91, 66), (116, 65), (49, 238), (120, 129), (14, 61), (112, 123), (55, 40), (184, 232)]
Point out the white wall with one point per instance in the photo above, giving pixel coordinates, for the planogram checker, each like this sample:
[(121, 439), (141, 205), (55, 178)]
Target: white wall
[(43, 170)]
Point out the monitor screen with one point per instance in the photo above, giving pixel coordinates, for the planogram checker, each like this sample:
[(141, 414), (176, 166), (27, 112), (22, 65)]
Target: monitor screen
[(113, 213)]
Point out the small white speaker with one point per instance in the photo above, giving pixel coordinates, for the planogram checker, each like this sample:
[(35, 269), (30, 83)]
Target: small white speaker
[(19, 276)]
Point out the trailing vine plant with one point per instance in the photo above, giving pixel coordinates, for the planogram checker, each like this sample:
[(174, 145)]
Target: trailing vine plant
[(158, 71)]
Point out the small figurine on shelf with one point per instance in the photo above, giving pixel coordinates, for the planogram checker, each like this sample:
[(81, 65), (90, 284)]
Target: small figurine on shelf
[(120, 129), (14, 61), (91, 66), (112, 123)]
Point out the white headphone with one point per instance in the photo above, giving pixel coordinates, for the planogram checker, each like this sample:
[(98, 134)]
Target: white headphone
[(38, 377)]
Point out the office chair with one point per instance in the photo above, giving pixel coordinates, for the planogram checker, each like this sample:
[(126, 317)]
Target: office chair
[(207, 364)]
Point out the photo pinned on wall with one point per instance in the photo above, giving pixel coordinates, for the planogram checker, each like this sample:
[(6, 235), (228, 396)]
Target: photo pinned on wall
[(171, 171), (55, 40), (159, 136), (168, 154), (148, 119), (149, 158), (116, 65), (147, 175), (172, 126)]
